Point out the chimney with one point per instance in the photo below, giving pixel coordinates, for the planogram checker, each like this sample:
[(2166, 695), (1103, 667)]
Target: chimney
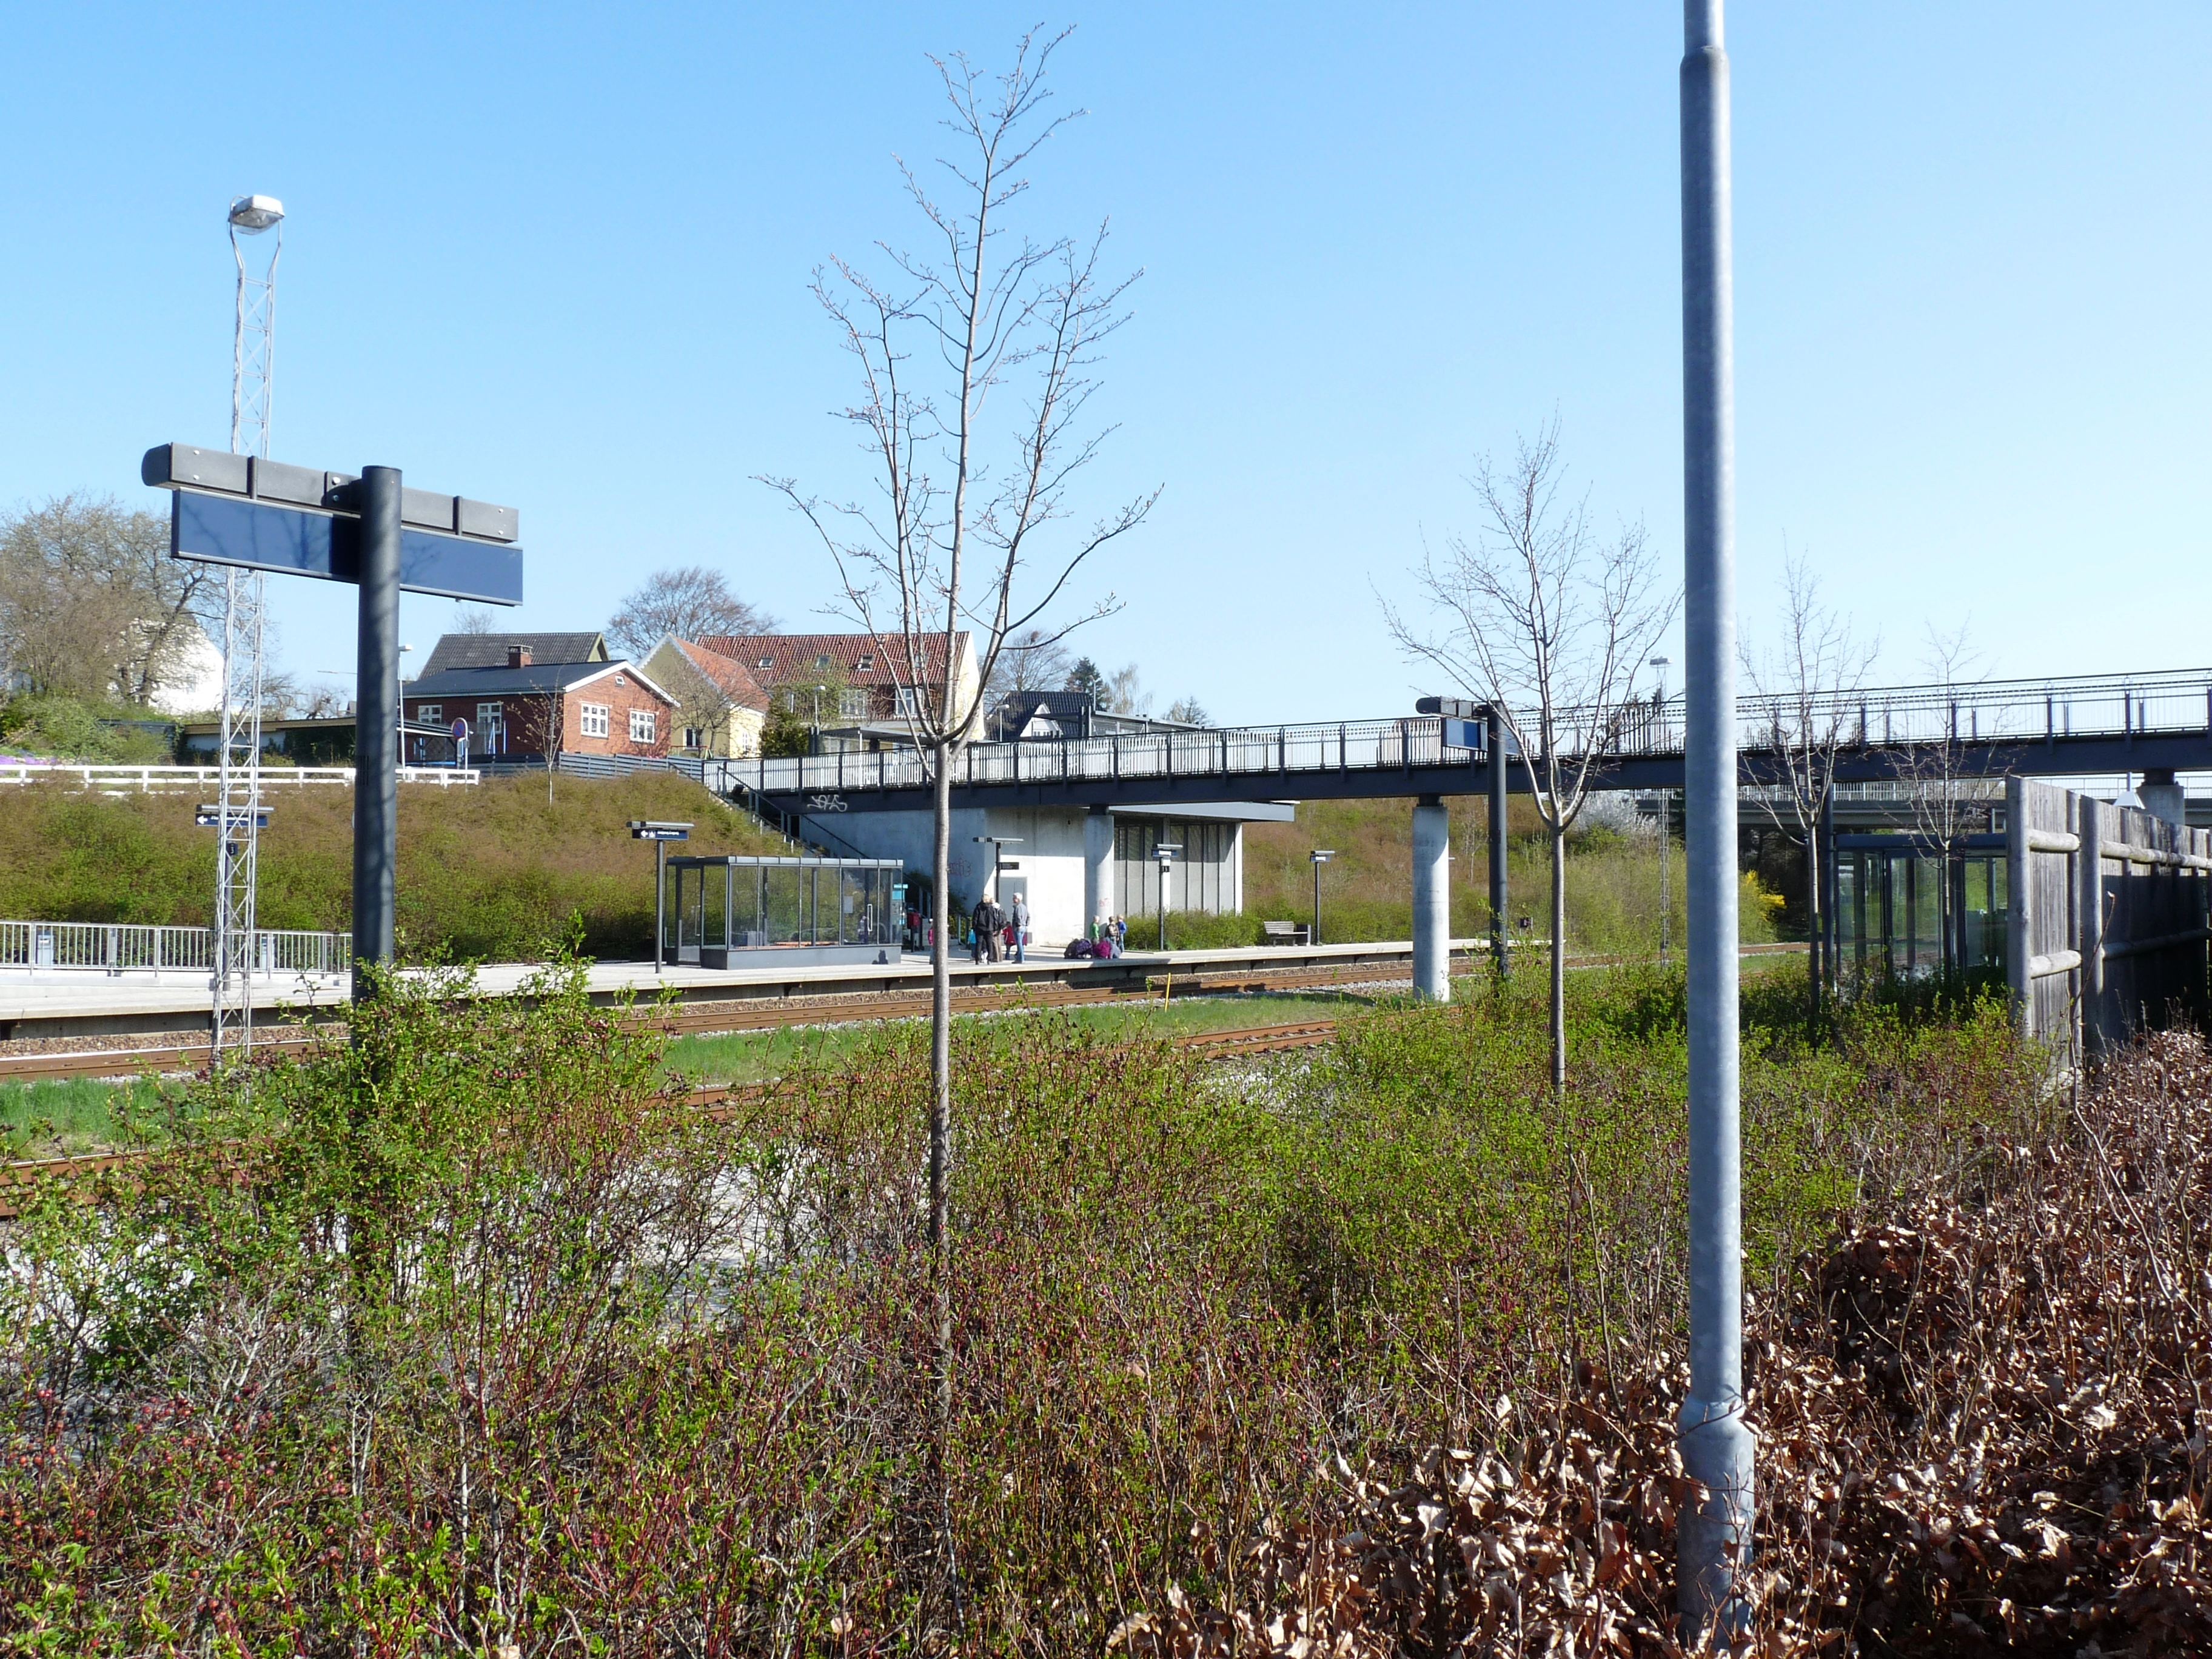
[(518, 656)]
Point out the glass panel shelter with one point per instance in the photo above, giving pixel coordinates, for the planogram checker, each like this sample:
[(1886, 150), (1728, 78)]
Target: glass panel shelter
[(737, 910), (1904, 908)]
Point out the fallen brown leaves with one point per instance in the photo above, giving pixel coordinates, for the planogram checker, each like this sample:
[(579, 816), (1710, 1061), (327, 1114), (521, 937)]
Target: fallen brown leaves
[(1982, 1427)]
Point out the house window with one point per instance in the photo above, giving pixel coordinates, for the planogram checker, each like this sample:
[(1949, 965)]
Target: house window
[(865, 663), (619, 680), (821, 662), (429, 713), (852, 705), (694, 737), (765, 662), (909, 703), (595, 719), (641, 726)]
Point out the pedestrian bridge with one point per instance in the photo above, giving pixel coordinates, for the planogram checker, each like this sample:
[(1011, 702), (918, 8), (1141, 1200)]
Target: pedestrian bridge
[(2081, 725)]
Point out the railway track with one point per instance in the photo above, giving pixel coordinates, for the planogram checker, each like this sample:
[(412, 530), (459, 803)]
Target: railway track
[(722, 1097), (171, 1059)]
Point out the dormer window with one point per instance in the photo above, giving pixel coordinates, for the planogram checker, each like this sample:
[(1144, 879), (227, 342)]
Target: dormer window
[(765, 662), (865, 663), (821, 662)]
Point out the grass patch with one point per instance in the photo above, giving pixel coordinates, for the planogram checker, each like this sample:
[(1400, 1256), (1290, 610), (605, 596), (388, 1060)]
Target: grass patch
[(69, 1115)]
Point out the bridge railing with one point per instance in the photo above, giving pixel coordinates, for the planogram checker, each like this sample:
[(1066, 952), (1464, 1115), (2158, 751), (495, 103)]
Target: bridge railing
[(2018, 710)]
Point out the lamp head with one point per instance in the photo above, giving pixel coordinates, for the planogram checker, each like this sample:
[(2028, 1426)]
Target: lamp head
[(255, 214)]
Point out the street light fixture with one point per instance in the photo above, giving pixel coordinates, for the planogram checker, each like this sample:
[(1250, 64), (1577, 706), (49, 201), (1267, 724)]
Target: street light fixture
[(255, 214), (1165, 851), (1320, 855)]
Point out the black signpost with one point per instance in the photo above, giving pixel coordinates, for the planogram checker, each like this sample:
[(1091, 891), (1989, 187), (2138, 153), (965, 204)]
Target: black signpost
[(661, 832), (369, 530)]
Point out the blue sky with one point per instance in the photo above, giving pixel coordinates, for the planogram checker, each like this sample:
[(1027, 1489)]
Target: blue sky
[(558, 257)]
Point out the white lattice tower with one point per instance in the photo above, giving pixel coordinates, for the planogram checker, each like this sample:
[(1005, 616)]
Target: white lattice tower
[(238, 832)]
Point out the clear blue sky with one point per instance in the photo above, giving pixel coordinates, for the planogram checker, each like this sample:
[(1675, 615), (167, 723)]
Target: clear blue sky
[(558, 256)]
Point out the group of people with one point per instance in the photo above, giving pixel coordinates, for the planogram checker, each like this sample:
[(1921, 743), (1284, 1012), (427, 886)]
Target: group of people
[(995, 926)]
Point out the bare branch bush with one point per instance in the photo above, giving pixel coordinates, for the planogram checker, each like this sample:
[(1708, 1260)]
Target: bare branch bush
[(1949, 788), (1549, 623), (958, 533), (1806, 685)]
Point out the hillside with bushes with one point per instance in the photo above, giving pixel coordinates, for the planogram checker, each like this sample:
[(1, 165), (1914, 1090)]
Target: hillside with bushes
[(488, 872)]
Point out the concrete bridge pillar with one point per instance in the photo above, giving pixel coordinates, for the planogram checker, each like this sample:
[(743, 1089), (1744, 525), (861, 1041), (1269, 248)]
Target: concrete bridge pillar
[(2162, 798), (1098, 865), (1431, 900)]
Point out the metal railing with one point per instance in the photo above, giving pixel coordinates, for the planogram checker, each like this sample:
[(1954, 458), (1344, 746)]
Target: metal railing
[(113, 947), (1988, 710), (118, 779)]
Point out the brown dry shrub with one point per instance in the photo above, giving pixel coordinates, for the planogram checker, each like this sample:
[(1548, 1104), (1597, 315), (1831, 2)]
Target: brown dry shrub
[(1982, 1427)]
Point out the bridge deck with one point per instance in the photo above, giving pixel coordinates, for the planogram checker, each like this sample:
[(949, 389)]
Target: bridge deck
[(2059, 727)]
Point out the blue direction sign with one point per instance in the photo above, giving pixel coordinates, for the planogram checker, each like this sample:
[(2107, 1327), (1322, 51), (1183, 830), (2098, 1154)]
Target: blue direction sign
[(301, 541)]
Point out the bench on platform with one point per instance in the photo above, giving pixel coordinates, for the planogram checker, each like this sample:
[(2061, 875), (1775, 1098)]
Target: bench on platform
[(1282, 933)]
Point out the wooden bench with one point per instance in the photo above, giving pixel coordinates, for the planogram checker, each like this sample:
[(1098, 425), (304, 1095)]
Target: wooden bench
[(1282, 933)]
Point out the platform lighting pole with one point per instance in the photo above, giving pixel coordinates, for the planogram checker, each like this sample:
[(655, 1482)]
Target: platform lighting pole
[(1320, 855), (1165, 851), (239, 778), (1500, 956), (1716, 1446), (1666, 831)]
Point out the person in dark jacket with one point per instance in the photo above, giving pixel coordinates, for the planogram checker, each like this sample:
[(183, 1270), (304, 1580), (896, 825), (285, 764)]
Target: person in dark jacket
[(989, 919)]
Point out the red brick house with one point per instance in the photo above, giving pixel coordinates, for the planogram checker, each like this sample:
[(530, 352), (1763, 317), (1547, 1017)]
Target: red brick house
[(523, 709)]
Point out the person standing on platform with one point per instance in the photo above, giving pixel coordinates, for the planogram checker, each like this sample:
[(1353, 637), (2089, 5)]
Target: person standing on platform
[(1020, 918)]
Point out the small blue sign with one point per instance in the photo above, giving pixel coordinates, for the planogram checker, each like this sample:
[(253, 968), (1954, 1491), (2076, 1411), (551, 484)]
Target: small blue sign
[(299, 542)]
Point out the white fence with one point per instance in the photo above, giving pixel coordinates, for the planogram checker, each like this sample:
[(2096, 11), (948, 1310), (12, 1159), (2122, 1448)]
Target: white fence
[(123, 780), (112, 947)]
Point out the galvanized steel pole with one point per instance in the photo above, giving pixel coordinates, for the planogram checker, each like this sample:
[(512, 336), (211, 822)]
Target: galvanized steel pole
[(375, 779), (1716, 1446), (1499, 954)]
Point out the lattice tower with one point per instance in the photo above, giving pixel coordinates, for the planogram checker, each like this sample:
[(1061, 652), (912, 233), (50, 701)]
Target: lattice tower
[(253, 362)]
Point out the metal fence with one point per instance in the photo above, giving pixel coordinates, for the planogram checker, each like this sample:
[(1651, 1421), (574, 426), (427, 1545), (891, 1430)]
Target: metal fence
[(125, 948), (126, 779)]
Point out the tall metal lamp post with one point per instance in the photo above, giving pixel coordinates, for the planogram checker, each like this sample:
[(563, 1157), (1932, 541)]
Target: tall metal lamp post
[(1716, 1444), (1320, 855), (1666, 830)]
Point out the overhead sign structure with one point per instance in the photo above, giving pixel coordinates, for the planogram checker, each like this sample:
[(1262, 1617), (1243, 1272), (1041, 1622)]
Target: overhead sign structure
[(301, 521), (371, 531), (214, 818)]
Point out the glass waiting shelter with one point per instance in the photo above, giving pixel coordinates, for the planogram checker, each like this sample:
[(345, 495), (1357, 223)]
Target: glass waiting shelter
[(1900, 910), (739, 911)]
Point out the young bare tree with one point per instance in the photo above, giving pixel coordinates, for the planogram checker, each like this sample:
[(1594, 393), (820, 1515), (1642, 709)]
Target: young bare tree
[(959, 524), (1550, 624), (1806, 688), (690, 603)]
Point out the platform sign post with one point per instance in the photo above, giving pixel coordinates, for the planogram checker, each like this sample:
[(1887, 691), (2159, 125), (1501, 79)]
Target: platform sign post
[(253, 514), (660, 832), (460, 746)]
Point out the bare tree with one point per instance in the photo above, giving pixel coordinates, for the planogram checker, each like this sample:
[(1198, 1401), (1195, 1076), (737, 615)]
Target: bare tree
[(981, 314), (1550, 624), (472, 619), (1807, 687), (91, 603), (1189, 711), (690, 603), (1949, 789), (1033, 661)]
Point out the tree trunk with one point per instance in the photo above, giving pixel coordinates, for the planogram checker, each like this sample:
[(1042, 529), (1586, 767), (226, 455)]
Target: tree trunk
[(940, 1082), (1817, 970), (1558, 958)]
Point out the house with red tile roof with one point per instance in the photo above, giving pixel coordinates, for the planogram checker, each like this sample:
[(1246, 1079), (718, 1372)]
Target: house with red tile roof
[(724, 704), (870, 670)]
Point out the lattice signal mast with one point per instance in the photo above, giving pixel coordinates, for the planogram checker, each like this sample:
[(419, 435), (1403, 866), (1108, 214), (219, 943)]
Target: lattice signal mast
[(238, 810)]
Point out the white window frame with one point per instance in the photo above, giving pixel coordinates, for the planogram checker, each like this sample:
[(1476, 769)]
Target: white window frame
[(591, 719), (852, 703), (641, 726), (428, 714)]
